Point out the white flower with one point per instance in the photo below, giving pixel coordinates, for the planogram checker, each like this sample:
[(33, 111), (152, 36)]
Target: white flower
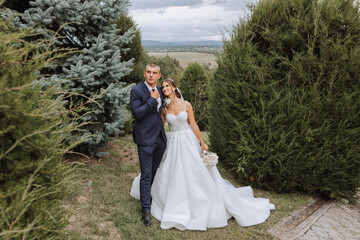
[(167, 101), (210, 159)]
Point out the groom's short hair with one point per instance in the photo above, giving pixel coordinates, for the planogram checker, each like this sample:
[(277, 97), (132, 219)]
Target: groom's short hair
[(153, 65)]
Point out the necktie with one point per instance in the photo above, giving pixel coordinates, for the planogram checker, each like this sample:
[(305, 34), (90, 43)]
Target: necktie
[(158, 100)]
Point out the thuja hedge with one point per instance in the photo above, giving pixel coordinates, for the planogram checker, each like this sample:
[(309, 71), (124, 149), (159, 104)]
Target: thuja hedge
[(285, 100), (193, 84), (33, 126)]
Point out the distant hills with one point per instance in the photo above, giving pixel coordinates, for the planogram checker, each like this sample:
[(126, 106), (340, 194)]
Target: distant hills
[(152, 43)]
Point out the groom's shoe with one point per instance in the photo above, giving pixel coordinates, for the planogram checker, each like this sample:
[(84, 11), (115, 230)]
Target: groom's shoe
[(146, 218)]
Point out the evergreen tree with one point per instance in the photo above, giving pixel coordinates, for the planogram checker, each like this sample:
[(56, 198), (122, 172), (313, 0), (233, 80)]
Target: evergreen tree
[(136, 52), (33, 126), (170, 67), (285, 100), (209, 71), (97, 69), (193, 85)]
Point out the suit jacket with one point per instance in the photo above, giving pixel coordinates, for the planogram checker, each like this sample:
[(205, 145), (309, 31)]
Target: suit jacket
[(148, 120)]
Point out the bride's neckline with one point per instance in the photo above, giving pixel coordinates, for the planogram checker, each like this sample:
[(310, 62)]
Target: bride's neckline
[(177, 114)]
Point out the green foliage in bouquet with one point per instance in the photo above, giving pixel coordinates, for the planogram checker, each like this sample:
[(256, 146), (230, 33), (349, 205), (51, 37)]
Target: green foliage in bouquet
[(193, 86), (285, 100), (33, 127)]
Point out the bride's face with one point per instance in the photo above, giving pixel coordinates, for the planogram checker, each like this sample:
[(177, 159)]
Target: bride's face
[(167, 89)]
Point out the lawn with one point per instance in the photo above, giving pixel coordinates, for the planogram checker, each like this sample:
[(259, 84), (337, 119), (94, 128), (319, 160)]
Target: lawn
[(103, 209)]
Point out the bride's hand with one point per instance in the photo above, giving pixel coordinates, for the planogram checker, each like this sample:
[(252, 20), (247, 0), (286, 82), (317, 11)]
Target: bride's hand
[(204, 147)]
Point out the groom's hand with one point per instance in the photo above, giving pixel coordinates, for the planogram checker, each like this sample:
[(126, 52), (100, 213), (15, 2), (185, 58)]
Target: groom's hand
[(155, 94)]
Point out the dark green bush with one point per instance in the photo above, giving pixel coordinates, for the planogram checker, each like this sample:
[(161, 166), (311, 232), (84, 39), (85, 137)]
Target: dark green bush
[(170, 67), (193, 85), (33, 126), (286, 113), (136, 51)]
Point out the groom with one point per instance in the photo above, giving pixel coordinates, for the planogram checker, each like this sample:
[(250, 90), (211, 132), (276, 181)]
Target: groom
[(146, 101)]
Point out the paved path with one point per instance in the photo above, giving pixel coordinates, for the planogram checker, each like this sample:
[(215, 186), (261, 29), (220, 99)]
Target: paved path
[(320, 220), (332, 221)]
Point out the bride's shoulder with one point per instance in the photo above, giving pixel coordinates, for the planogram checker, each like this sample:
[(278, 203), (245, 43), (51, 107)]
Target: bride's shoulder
[(188, 105), (184, 102)]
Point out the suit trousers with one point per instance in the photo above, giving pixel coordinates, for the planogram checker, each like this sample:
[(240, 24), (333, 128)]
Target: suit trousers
[(150, 158)]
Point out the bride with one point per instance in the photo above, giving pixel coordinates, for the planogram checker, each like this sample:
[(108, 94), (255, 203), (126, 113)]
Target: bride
[(187, 195)]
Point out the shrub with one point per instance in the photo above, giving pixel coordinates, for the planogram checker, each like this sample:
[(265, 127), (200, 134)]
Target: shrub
[(170, 67), (136, 50), (33, 126), (193, 85), (287, 106)]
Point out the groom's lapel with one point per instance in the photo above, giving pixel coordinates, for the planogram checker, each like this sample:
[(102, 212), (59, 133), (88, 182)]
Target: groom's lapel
[(145, 90), (161, 96)]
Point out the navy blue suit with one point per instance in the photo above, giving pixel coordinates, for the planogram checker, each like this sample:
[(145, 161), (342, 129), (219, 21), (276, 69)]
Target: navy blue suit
[(149, 135)]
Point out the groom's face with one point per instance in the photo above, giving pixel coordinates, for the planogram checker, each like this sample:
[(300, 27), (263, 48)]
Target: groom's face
[(152, 75)]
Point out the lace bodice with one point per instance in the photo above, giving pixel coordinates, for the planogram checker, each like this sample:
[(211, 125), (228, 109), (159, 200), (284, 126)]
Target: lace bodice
[(178, 122)]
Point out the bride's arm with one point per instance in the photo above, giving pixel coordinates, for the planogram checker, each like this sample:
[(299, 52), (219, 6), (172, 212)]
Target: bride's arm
[(163, 113), (195, 127)]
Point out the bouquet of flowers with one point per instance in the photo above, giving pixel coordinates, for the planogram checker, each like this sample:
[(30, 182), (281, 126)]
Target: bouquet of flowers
[(210, 159)]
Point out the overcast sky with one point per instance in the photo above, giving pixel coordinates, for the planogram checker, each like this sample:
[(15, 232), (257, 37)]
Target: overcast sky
[(186, 20)]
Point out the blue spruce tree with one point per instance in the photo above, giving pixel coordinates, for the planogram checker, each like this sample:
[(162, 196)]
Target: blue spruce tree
[(97, 68)]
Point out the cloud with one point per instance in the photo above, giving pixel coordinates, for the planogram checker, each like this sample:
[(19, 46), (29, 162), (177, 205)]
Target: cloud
[(149, 4), (215, 19), (181, 21), (161, 11), (219, 2), (230, 4)]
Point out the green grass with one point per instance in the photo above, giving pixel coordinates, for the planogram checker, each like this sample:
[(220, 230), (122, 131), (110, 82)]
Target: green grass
[(105, 209)]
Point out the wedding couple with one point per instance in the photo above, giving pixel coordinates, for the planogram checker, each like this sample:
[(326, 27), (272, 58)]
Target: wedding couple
[(175, 186)]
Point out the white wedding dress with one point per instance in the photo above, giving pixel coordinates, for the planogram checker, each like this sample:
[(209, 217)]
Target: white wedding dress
[(187, 195)]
